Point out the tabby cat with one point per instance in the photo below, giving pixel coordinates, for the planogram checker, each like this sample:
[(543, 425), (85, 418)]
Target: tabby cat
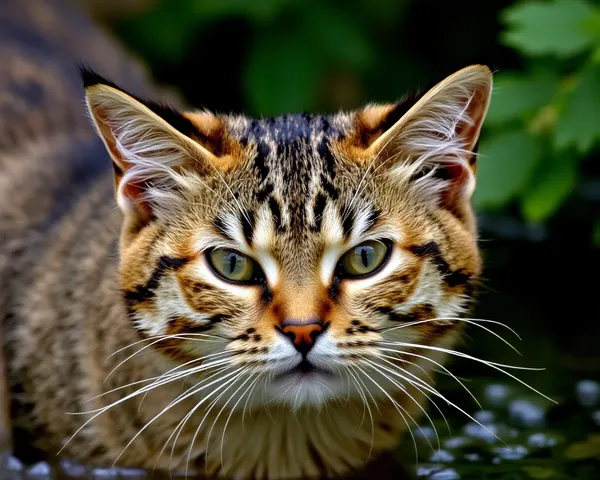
[(268, 300)]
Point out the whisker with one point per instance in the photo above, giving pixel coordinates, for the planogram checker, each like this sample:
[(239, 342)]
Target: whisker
[(363, 398), (221, 411), (429, 399), (397, 407), (156, 382), (231, 413), (106, 408), (161, 339), (192, 371), (472, 321), (496, 366), (182, 422), (210, 407), (248, 399), (154, 337), (379, 368), (168, 407), (438, 394), (192, 391), (411, 354)]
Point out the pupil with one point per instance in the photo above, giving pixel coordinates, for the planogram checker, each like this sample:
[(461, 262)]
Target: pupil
[(364, 255), (232, 263)]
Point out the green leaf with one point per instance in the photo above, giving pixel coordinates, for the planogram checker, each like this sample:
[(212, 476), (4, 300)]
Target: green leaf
[(339, 36), (281, 74), (164, 32), (518, 96), (255, 9), (539, 473), (578, 124), (507, 161), (542, 28), (590, 448), (553, 182)]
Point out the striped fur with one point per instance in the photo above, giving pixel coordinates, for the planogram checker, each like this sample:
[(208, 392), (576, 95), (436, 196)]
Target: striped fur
[(89, 284)]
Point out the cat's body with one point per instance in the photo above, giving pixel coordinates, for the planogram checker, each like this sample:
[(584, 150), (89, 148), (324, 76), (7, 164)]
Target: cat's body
[(301, 351)]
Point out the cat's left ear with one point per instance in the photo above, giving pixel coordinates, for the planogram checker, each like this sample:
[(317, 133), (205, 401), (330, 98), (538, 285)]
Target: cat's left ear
[(434, 142), (155, 150)]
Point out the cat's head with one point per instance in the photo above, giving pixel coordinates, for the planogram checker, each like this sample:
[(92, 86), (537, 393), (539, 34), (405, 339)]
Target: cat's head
[(300, 251)]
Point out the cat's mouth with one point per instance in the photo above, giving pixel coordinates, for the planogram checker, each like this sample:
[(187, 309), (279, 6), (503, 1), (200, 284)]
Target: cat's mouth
[(304, 369)]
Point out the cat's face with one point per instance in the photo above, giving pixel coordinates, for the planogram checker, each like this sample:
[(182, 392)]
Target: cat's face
[(311, 255)]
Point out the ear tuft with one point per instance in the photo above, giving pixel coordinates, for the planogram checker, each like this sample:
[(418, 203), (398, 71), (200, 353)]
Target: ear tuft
[(153, 159), (433, 144), (90, 78)]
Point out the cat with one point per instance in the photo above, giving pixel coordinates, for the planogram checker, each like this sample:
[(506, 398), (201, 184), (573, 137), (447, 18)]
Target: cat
[(250, 298)]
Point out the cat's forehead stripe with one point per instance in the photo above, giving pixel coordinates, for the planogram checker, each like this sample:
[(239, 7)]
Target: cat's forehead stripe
[(294, 165)]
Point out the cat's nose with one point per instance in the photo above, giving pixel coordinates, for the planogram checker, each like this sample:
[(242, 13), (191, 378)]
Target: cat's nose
[(303, 333)]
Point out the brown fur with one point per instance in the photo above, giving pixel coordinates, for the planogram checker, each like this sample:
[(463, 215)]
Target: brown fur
[(86, 286)]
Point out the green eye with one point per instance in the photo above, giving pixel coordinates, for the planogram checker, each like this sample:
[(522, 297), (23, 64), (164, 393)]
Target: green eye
[(234, 266), (364, 259)]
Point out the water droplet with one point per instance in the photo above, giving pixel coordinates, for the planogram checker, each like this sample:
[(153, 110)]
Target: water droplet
[(445, 474), (484, 416), (588, 393), (516, 452), (496, 395), (456, 442), (541, 440), (526, 413), (441, 456), (472, 457), (487, 434)]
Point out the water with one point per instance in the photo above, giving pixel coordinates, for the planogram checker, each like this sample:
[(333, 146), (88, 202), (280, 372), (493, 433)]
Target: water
[(521, 437)]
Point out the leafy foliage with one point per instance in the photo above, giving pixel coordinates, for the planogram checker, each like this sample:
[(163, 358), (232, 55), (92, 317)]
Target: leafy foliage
[(554, 103), (544, 120)]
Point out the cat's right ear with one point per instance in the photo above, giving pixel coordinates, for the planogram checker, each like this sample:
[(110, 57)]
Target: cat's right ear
[(152, 148)]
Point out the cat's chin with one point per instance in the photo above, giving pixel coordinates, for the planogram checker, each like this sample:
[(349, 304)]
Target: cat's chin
[(305, 389)]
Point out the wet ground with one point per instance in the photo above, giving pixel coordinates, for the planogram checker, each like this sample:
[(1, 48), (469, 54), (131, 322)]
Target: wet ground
[(514, 435), (518, 436)]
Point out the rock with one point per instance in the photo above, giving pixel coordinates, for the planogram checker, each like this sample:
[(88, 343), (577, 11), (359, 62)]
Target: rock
[(496, 395), (487, 434), (511, 453), (132, 474), (14, 464), (456, 442), (426, 470), (526, 413), (596, 417), (104, 474), (445, 474), (39, 470), (424, 432), (484, 416), (73, 469), (541, 440), (588, 393), (441, 456)]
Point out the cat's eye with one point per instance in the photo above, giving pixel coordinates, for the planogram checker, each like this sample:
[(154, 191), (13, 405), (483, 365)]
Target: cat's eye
[(364, 259), (234, 266)]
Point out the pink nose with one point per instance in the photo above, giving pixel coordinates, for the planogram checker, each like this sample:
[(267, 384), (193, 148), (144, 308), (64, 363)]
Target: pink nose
[(302, 333)]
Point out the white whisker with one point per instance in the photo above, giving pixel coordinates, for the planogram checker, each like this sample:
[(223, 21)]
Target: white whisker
[(398, 408), (496, 366)]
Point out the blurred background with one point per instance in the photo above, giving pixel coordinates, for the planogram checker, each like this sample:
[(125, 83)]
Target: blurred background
[(538, 193)]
